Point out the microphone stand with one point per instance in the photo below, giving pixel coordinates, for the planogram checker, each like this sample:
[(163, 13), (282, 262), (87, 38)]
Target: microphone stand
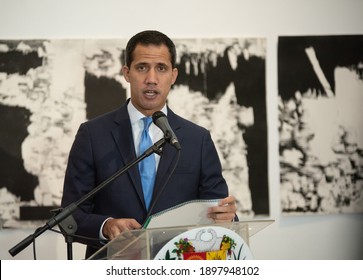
[(64, 215)]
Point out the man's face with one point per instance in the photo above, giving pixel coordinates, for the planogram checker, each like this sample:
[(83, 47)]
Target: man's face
[(150, 76)]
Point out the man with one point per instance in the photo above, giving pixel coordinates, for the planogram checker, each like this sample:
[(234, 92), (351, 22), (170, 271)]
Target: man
[(107, 143)]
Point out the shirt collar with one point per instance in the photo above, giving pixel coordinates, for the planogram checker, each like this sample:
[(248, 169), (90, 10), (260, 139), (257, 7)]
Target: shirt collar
[(136, 115)]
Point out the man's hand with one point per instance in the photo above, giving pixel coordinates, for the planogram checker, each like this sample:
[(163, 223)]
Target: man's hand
[(114, 227), (225, 211)]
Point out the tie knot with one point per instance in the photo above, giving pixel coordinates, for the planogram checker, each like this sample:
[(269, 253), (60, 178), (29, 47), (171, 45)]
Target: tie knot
[(147, 121)]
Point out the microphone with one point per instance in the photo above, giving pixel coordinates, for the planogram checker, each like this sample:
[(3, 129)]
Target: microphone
[(161, 121)]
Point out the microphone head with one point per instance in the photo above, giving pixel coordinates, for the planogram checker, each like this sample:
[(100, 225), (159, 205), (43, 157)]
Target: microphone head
[(161, 121), (157, 115)]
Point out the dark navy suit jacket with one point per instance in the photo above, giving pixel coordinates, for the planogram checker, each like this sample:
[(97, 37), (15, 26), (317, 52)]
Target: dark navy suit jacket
[(105, 144)]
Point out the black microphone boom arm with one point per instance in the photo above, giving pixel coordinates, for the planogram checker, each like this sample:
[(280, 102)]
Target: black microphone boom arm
[(67, 211)]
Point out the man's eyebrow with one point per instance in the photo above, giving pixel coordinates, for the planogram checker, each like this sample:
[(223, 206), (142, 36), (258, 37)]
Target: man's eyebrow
[(141, 63)]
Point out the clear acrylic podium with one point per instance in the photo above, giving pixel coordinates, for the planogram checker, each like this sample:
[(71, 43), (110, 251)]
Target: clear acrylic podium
[(144, 244)]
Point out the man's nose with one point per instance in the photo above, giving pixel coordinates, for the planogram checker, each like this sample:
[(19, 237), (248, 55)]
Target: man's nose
[(151, 77)]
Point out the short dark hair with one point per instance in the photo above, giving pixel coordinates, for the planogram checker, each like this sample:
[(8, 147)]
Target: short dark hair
[(150, 37)]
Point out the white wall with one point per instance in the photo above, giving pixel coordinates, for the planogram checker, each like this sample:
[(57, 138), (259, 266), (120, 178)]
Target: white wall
[(314, 237)]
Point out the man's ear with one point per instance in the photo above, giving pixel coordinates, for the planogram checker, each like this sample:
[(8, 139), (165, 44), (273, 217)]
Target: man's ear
[(125, 72), (175, 75)]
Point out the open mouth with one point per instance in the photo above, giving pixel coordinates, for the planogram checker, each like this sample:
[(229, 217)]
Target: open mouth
[(150, 92)]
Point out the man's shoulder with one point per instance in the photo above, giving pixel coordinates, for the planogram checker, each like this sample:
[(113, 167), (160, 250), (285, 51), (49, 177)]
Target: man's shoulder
[(105, 116), (108, 119), (179, 121)]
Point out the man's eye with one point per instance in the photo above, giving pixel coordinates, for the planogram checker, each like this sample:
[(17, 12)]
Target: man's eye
[(141, 67), (161, 68)]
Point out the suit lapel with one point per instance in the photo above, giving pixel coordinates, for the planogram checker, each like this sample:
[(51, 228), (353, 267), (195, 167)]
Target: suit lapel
[(122, 135), (168, 157)]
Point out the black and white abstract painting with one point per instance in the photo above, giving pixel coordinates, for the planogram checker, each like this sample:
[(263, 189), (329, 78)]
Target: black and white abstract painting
[(320, 83), (49, 87)]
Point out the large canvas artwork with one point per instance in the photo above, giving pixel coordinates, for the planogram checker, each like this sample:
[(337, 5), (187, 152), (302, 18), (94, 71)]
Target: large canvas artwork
[(321, 124), (48, 87)]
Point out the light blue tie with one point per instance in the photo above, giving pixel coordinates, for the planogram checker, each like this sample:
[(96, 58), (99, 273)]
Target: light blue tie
[(147, 166)]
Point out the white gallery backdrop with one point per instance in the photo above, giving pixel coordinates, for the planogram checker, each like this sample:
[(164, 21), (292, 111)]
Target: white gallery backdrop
[(49, 87), (202, 30)]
